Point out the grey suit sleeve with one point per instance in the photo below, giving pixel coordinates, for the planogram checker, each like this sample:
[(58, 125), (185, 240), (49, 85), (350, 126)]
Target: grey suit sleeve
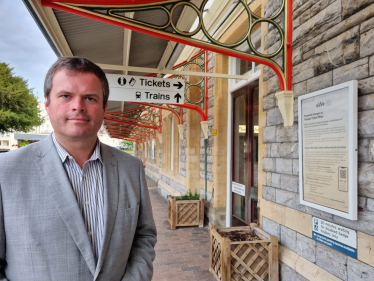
[(139, 266), (2, 241)]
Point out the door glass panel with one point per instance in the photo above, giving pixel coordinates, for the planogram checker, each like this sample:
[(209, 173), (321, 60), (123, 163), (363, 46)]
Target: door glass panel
[(240, 150), (245, 153), (256, 129)]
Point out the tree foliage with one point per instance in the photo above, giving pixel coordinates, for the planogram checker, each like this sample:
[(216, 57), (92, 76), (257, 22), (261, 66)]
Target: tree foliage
[(18, 106), (128, 143)]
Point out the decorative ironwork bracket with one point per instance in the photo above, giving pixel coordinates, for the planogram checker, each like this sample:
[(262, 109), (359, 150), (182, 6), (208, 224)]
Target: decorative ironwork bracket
[(114, 12)]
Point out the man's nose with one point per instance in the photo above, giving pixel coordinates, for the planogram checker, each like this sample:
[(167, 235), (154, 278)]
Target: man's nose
[(78, 105)]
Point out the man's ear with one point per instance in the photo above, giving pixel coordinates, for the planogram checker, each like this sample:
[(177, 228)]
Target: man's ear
[(46, 104), (106, 105)]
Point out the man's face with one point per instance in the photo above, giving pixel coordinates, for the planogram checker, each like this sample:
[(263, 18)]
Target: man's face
[(75, 105)]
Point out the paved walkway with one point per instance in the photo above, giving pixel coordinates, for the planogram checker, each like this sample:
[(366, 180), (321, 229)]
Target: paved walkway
[(181, 254)]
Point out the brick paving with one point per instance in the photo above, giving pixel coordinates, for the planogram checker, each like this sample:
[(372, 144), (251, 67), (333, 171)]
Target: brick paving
[(181, 254)]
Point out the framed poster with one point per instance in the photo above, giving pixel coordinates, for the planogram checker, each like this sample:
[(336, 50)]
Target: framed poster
[(328, 150)]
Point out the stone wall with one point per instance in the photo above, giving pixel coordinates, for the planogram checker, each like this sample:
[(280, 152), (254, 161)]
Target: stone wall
[(176, 185), (211, 64), (333, 42)]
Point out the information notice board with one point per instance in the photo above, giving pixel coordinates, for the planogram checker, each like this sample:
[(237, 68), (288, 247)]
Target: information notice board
[(328, 149)]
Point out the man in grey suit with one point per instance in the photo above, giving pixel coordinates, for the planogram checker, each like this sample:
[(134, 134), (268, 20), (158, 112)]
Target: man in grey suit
[(72, 208)]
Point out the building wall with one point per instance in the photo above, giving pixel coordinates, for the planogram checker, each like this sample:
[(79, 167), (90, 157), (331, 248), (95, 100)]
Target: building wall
[(333, 42)]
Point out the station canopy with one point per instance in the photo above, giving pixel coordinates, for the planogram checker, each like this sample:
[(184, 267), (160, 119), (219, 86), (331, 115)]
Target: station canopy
[(106, 32)]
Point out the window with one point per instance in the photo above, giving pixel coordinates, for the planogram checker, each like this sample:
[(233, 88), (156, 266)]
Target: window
[(6, 143)]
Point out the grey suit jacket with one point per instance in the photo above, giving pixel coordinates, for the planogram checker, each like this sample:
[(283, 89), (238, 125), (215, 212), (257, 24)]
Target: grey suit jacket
[(42, 232)]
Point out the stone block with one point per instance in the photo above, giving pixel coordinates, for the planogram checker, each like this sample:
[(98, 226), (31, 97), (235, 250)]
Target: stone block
[(268, 193), (362, 202), (354, 71), (290, 183), (286, 273), (366, 102), (365, 222), (318, 213), (271, 38), (365, 123), (268, 164), (270, 226), (268, 179), (288, 238), (303, 71), (366, 179), (370, 204), (269, 101), (295, 167), (308, 55), (371, 66), (286, 134), (268, 134), (289, 199), (275, 179), (367, 43), (363, 150), (301, 6), (366, 86), (273, 117), (350, 7), (283, 166), (339, 28), (272, 7), (319, 82), (297, 55), (359, 271), (299, 89), (306, 247), (285, 150), (268, 150), (321, 22), (319, 6), (340, 50), (268, 72), (332, 261), (367, 25), (273, 85)]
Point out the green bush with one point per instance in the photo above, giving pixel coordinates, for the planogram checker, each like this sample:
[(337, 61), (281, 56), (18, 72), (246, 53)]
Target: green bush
[(189, 196)]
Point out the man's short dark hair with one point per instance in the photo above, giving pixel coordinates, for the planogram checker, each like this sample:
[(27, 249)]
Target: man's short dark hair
[(77, 64)]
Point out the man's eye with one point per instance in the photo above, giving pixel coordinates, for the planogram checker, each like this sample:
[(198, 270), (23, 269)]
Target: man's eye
[(65, 96), (90, 99)]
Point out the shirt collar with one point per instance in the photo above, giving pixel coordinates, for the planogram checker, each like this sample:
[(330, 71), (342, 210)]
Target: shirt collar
[(64, 154)]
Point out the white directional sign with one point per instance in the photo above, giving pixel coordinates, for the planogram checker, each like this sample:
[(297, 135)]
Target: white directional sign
[(145, 89)]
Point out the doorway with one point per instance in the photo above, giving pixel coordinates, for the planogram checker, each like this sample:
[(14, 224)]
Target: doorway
[(244, 185)]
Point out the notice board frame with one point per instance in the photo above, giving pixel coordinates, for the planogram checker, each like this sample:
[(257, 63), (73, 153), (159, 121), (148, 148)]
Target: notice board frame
[(352, 151)]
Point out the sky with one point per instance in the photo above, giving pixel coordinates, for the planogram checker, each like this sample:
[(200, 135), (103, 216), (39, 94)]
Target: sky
[(23, 46)]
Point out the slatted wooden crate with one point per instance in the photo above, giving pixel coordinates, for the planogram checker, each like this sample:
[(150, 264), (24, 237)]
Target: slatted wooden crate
[(185, 212), (243, 260)]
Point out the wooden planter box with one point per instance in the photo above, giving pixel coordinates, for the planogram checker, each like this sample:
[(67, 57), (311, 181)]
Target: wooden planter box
[(243, 260), (185, 212)]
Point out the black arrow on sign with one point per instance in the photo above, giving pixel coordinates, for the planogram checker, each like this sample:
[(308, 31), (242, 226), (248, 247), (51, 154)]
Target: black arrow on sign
[(179, 85), (178, 96)]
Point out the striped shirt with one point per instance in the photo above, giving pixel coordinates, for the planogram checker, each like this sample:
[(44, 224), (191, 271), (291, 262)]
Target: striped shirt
[(87, 184)]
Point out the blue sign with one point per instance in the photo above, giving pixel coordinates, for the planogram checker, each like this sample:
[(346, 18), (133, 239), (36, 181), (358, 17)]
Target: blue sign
[(352, 252)]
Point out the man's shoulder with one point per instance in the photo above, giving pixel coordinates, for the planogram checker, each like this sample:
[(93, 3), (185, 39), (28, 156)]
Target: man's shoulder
[(23, 153), (120, 155)]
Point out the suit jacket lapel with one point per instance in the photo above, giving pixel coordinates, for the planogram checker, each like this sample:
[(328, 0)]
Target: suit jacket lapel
[(110, 172), (57, 182)]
